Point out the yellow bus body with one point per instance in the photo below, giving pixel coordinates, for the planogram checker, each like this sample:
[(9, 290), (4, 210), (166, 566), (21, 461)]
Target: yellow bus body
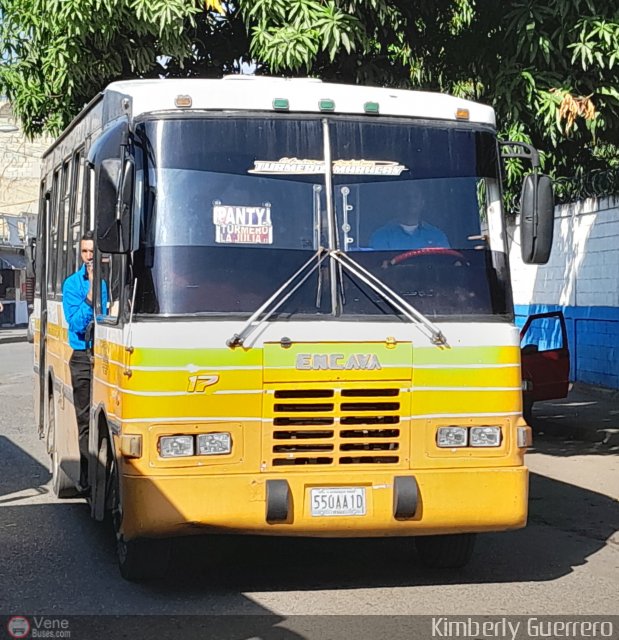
[(144, 392), (460, 489), (329, 407)]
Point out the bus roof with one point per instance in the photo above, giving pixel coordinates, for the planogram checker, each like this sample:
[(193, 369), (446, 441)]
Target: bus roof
[(303, 95)]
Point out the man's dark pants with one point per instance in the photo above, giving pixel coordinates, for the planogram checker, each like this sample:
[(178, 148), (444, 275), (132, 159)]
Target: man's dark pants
[(81, 373)]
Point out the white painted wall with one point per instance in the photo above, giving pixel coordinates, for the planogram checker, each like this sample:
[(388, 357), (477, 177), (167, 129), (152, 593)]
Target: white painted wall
[(582, 279), (583, 269)]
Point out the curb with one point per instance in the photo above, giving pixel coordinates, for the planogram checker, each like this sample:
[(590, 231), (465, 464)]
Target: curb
[(608, 437), (604, 393), (12, 339)]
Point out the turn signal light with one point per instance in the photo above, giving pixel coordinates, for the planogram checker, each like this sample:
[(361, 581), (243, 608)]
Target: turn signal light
[(183, 101)]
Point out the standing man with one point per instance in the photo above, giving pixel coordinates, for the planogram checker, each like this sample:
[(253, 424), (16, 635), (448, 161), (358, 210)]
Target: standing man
[(77, 304)]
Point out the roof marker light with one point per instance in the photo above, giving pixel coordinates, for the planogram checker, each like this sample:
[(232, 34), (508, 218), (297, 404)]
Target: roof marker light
[(462, 114), (182, 101), (281, 104), (371, 107), (326, 104)]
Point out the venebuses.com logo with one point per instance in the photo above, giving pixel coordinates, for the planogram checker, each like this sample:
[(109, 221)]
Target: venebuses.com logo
[(18, 627), (38, 627)]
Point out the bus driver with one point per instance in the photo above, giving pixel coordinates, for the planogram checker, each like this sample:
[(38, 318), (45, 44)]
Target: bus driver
[(409, 230)]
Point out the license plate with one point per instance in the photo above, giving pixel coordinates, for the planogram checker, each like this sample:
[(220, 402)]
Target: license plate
[(338, 501)]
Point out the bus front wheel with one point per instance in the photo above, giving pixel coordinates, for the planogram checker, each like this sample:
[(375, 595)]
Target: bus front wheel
[(445, 552), (140, 558), (527, 411)]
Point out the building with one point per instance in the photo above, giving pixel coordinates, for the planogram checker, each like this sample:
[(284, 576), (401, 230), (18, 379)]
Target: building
[(20, 169)]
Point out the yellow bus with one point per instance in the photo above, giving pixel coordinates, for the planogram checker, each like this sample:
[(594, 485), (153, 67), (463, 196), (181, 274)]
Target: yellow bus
[(307, 327)]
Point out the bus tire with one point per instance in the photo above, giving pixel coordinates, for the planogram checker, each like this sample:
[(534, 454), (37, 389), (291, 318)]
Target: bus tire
[(445, 552), (62, 485), (527, 410), (100, 490), (143, 558), (139, 559)]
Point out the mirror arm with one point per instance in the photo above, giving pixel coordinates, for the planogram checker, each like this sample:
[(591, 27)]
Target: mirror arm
[(121, 178), (522, 150)]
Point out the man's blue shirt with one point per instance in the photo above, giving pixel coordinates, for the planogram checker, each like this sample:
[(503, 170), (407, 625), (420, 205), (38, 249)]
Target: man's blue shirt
[(78, 311), (394, 236)]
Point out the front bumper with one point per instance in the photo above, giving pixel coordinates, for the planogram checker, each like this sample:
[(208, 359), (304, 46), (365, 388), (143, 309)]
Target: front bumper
[(445, 501)]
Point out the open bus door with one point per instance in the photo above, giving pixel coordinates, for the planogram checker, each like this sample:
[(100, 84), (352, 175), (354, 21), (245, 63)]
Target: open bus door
[(545, 359), (31, 260), (40, 264)]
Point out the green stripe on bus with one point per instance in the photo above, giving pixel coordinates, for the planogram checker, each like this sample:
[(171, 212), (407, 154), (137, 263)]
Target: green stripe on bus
[(466, 355)]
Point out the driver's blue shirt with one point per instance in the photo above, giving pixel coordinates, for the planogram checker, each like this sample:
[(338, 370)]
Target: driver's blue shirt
[(78, 311), (394, 236)]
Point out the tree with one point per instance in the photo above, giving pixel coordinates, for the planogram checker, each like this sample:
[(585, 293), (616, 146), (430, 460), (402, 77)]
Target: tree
[(58, 54), (548, 68)]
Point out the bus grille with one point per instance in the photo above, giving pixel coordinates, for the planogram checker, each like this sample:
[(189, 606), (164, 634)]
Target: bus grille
[(329, 427)]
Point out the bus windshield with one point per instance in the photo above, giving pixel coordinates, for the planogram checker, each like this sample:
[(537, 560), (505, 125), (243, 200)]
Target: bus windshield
[(230, 207)]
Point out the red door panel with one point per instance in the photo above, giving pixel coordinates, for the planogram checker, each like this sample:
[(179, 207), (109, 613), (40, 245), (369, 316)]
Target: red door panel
[(545, 356)]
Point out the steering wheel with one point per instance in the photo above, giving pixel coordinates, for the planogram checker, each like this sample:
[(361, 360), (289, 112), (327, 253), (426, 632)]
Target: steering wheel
[(424, 251)]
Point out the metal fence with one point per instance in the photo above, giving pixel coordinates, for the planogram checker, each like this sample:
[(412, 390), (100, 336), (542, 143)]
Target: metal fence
[(594, 184)]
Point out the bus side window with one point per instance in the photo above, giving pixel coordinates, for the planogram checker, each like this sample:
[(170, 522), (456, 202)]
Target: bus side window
[(52, 233), (109, 294), (40, 256), (75, 226), (62, 218)]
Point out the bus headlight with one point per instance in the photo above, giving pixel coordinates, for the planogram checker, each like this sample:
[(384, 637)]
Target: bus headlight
[(176, 446), (212, 444), (485, 436), (451, 436)]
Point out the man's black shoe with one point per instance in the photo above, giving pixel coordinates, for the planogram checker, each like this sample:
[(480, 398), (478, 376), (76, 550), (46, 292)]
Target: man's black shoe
[(82, 491)]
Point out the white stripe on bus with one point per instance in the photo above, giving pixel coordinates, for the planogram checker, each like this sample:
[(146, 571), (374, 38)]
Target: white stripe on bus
[(519, 388), (164, 420), (465, 366)]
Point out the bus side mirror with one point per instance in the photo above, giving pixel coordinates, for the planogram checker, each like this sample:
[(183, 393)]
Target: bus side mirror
[(107, 183), (114, 196), (536, 219), (112, 164)]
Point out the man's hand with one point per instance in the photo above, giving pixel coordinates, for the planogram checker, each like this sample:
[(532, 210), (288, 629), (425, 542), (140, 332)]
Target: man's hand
[(89, 272)]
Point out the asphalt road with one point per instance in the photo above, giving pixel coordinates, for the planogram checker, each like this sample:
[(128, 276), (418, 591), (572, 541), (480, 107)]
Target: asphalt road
[(56, 561)]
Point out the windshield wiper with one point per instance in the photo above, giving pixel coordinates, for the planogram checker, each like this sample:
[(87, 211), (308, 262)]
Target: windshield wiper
[(347, 263), (432, 331), (277, 299)]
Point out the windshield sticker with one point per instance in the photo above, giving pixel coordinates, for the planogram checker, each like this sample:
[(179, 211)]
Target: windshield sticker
[(239, 224), (295, 166)]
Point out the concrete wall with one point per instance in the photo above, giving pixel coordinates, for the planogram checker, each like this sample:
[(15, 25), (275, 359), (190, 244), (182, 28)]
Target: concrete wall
[(20, 175), (581, 279), (20, 166)]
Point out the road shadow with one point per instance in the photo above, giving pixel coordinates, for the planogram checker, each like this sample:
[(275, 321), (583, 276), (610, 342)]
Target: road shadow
[(20, 472), (57, 562), (562, 446), (589, 418), (567, 525), (49, 543)]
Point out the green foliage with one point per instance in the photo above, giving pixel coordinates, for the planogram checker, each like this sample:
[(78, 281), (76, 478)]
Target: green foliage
[(548, 67), (289, 35), (57, 54)]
